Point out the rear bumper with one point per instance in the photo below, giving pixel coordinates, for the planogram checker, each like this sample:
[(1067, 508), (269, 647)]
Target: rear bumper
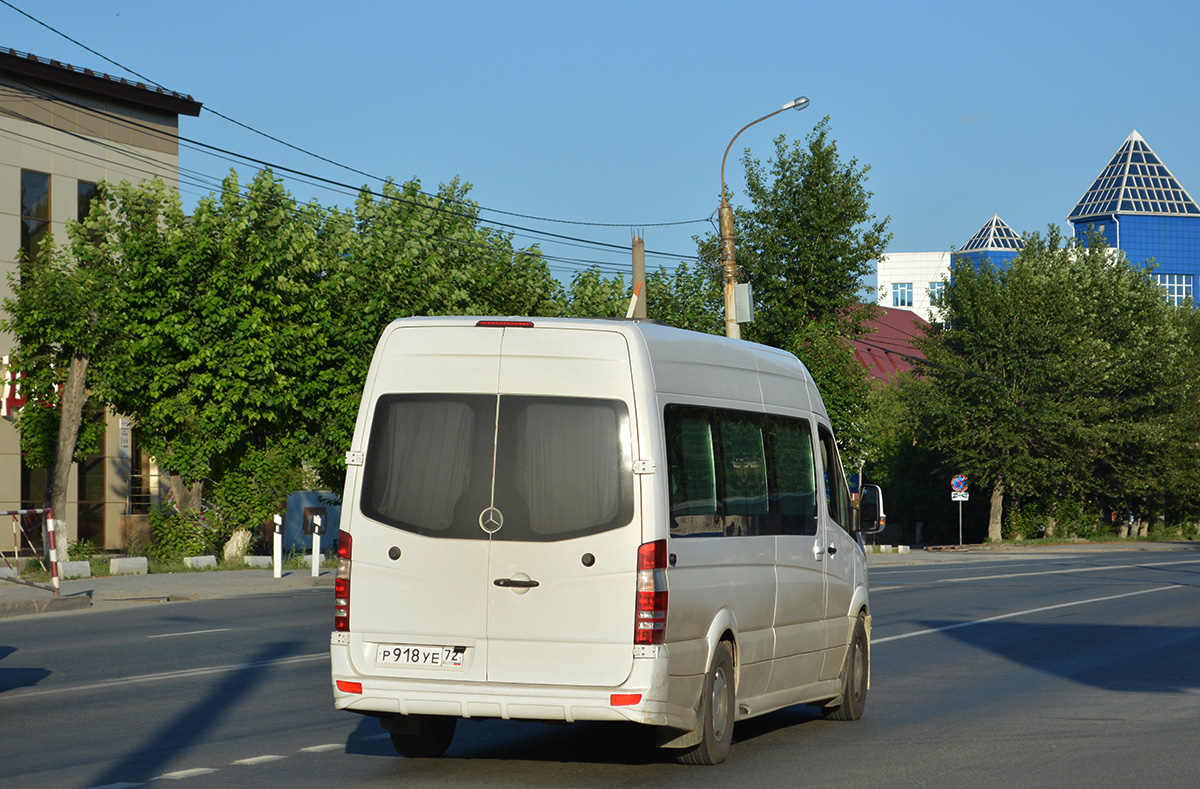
[(394, 696)]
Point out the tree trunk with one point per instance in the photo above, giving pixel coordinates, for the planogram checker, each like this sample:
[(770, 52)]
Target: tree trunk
[(71, 400), (996, 515), (187, 497)]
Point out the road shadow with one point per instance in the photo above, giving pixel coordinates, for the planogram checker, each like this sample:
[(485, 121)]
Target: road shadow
[(147, 759), (514, 740), (1118, 658), (13, 678), (583, 742)]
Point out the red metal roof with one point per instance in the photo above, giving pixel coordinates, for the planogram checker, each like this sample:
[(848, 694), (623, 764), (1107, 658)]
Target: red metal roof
[(888, 350)]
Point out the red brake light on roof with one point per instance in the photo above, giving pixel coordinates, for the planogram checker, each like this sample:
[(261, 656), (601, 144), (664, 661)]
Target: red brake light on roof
[(505, 324), (341, 585), (650, 611)]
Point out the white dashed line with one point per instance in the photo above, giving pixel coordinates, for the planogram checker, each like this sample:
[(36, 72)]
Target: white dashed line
[(259, 759), (190, 633), (329, 746), (192, 773)]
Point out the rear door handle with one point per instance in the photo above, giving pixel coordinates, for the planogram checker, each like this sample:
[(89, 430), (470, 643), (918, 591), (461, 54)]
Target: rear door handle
[(515, 583)]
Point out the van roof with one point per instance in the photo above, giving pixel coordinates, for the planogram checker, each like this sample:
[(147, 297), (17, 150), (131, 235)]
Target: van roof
[(682, 361)]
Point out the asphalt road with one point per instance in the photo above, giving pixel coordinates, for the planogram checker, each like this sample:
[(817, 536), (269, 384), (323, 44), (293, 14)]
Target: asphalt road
[(1066, 669)]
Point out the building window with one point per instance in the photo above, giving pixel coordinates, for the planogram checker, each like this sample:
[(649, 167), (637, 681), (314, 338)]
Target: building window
[(35, 212), (90, 487), (1178, 287), (936, 291), (85, 193), (902, 294)]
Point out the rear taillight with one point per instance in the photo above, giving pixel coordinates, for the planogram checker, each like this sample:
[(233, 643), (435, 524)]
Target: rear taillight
[(341, 585), (650, 616)]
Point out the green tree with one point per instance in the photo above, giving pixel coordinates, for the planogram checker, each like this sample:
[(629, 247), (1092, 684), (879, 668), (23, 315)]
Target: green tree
[(805, 245), (807, 240), (60, 316), (217, 328), (405, 253), (688, 297), (1065, 374), (592, 295)]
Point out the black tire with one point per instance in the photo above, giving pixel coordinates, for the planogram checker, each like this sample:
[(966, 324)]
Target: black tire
[(716, 712), (424, 736), (855, 671)]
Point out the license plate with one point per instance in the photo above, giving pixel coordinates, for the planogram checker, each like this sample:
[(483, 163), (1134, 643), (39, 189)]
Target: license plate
[(419, 656)]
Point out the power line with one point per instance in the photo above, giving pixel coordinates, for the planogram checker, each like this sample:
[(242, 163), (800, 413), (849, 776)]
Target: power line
[(314, 179), (340, 164)]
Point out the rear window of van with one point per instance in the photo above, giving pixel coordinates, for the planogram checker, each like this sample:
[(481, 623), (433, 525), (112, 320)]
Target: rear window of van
[(513, 467)]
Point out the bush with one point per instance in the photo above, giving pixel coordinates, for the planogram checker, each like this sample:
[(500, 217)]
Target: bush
[(1022, 523), (174, 534), (81, 550)]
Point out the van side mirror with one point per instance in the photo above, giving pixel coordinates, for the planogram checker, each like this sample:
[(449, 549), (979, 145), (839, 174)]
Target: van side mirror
[(871, 518)]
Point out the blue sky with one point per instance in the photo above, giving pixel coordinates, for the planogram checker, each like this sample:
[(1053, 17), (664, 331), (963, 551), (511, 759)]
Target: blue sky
[(619, 112)]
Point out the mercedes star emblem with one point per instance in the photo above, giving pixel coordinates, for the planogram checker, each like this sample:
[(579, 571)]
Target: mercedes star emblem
[(491, 519)]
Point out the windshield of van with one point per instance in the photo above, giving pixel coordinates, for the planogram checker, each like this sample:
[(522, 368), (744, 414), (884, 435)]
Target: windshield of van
[(519, 468)]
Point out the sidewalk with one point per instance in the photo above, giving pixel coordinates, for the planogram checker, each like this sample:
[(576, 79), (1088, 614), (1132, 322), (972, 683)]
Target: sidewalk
[(117, 591)]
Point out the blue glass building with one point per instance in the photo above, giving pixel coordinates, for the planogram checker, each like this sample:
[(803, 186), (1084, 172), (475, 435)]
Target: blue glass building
[(1139, 207), (995, 241)]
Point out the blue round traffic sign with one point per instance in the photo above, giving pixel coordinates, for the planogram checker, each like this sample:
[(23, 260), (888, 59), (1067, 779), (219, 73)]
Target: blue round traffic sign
[(959, 483)]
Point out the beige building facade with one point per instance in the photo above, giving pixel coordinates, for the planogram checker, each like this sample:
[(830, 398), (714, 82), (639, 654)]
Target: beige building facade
[(64, 129)]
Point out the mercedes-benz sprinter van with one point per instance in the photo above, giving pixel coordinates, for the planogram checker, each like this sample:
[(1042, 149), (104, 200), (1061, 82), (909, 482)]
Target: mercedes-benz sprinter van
[(587, 519)]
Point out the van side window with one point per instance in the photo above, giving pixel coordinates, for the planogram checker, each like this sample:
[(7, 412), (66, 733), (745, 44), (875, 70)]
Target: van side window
[(837, 497), (739, 473), (794, 484), (692, 471), (744, 463)]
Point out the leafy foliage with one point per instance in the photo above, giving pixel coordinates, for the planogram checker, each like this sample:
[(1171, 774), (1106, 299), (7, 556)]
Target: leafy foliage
[(402, 255), (1064, 374), (689, 297), (175, 534)]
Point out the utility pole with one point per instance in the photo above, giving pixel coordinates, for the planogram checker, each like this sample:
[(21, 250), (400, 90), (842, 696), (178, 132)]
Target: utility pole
[(639, 275), (725, 217)]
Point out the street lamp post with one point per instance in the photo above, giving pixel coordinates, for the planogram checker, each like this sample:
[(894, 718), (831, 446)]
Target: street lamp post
[(725, 216)]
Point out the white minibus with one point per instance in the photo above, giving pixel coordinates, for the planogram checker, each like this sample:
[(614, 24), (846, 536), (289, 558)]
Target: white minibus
[(591, 519)]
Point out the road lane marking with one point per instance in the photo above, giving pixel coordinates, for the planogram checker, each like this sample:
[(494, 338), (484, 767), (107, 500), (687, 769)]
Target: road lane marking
[(1093, 569), (178, 774), (1021, 613), (253, 760), (191, 633), (166, 675), (329, 746)]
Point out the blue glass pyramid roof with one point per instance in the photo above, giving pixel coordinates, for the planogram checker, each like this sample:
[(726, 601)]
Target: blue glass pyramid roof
[(994, 236), (1134, 182)]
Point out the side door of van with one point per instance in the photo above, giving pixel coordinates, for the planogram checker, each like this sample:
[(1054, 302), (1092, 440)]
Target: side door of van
[(800, 632), (839, 550)]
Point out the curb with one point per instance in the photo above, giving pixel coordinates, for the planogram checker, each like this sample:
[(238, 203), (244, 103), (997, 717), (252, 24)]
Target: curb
[(47, 606)]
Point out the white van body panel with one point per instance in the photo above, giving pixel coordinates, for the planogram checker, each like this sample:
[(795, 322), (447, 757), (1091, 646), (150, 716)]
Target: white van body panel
[(563, 649)]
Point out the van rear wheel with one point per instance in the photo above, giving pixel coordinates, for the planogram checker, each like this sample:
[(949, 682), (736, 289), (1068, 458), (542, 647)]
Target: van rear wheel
[(715, 715), (855, 671), (421, 736)]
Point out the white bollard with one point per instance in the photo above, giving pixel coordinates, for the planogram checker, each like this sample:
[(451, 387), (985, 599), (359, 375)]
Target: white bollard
[(316, 557), (278, 552)]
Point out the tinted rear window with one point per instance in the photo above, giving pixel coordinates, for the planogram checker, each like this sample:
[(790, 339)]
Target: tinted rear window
[(554, 468)]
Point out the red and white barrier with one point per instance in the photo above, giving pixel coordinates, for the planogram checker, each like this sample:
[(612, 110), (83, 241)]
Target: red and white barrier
[(51, 544)]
